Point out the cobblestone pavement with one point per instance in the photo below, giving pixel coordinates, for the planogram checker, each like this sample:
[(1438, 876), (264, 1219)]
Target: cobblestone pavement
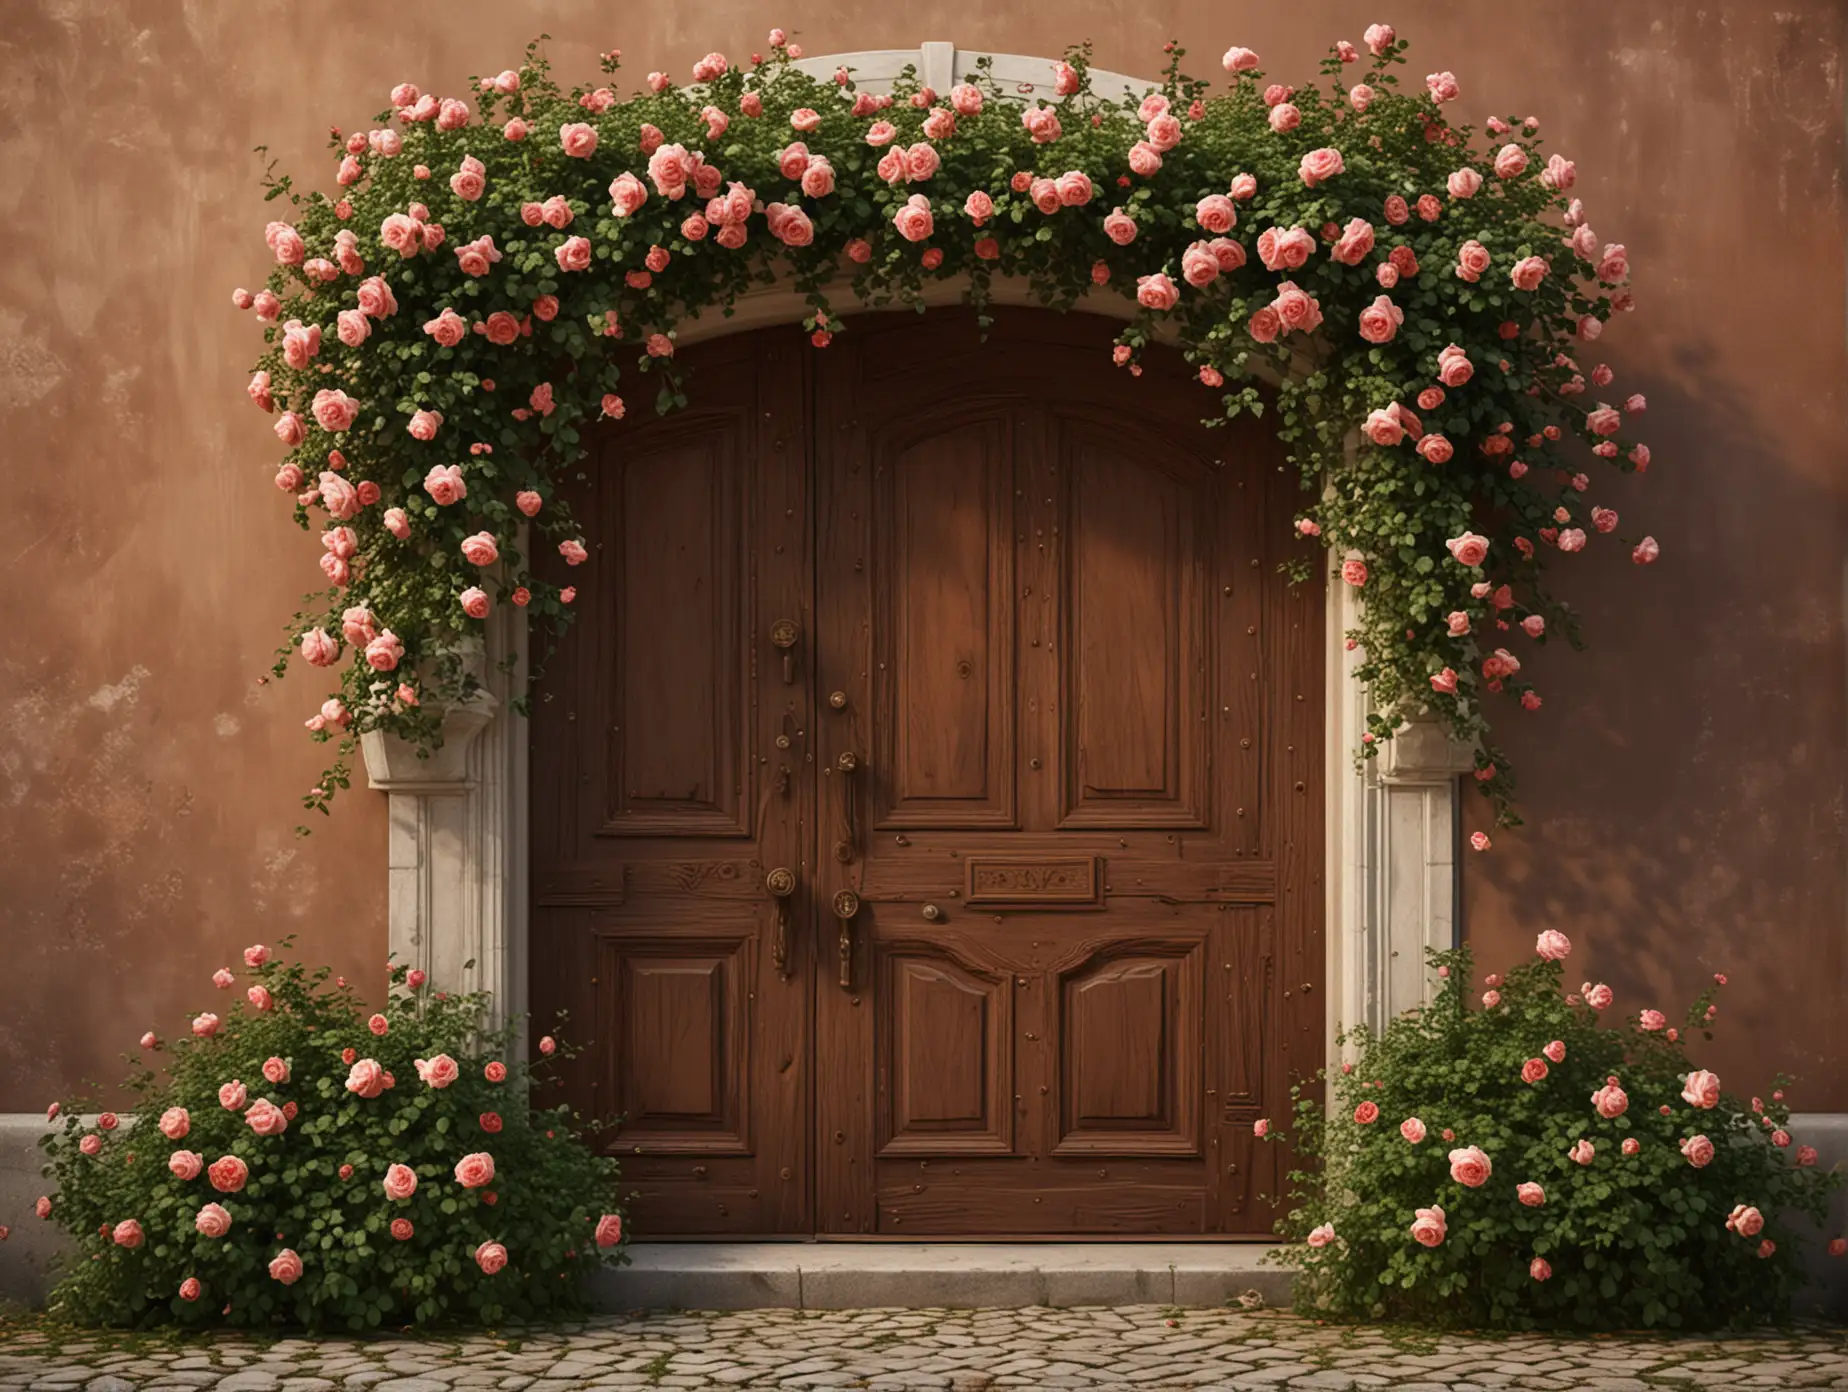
[(954, 1350)]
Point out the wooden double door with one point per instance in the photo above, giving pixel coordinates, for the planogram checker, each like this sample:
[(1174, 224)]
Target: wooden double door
[(927, 807)]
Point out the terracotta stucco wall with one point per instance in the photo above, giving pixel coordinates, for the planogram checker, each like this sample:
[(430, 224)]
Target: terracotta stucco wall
[(1684, 783)]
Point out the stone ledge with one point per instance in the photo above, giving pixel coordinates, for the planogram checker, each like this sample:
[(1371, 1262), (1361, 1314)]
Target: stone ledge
[(922, 1275)]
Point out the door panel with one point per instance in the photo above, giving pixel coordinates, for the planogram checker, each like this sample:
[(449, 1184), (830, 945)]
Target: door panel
[(1042, 759), (662, 800), (1096, 958)]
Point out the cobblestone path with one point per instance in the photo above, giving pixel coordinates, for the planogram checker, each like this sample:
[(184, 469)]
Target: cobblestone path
[(955, 1350)]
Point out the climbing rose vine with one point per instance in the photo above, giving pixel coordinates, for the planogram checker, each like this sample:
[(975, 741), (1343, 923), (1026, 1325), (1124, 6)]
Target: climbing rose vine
[(1417, 299)]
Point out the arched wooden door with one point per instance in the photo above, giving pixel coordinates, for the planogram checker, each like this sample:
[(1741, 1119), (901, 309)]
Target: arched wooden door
[(985, 644)]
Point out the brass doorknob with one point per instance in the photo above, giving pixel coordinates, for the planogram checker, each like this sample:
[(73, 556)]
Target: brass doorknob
[(781, 882), (848, 761), (783, 635), (846, 905), (932, 912), (838, 700)]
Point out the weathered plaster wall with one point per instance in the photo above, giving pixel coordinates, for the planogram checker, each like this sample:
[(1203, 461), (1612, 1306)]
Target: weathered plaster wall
[(1684, 783)]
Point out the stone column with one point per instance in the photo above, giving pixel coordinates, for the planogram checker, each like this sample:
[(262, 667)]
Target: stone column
[(457, 839), (1392, 826)]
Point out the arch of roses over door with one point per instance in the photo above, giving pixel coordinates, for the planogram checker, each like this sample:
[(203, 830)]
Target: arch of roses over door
[(493, 272)]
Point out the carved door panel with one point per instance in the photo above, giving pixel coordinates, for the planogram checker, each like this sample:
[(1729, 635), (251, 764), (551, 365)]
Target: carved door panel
[(669, 783), (1069, 787)]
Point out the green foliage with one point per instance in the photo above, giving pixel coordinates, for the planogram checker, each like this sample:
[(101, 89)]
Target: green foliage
[(1632, 1240), (1517, 469), (316, 1188)]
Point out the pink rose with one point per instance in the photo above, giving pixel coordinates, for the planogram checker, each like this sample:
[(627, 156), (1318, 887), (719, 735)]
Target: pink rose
[(1163, 131), (573, 551), (1412, 1129), (1436, 448), (1556, 1051), (1528, 272), (1560, 173), (1533, 1070), (1470, 1167), (1472, 260), (627, 194), (1354, 573), (1745, 1220), (609, 1230), (1297, 310), (232, 1096), (476, 257), (1229, 253), (1510, 162), (1199, 267), (398, 522), (1702, 1089), (276, 1070), (913, 220), (444, 484), (42, 1206), (1651, 1020), (1367, 1113), (1379, 321), (490, 1257), (1611, 1101), (127, 1233), (1464, 183), (228, 1174), (573, 254), (1540, 1269), (400, 1182), (1379, 39), (1319, 165), (1471, 550), (286, 1267), (186, 1164), (1354, 244), (1552, 945), (1073, 186), (480, 549), (448, 328), (1645, 551), (366, 1078), (91, 1144), (213, 1221), (1428, 1227), (206, 1025), (423, 425), (1383, 426), (1442, 86), (265, 1118), (1120, 227), (1144, 159), (1261, 1127), (1264, 325), (474, 602), (1285, 117), (578, 139), (1286, 249), (1583, 1152), (259, 997), (1216, 213), (475, 1171), (1156, 292), (1530, 1194), (1238, 60), (1322, 1236), (1042, 124), (438, 1072), (175, 1122)]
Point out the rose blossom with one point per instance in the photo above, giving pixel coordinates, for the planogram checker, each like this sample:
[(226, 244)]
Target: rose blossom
[(228, 1174), (1530, 1194), (495, 1072), (1745, 1220), (213, 1221), (1582, 1152), (232, 1096), (1528, 272), (1319, 165), (400, 1182), (1367, 1113), (1379, 321), (491, 1257), (186, 1164), (1354, 243), (444, 484), (174, 1123), (366, 1078), (1702, 1089), (475, 1171), (1428, 1227), (1651, 1020), (1120, 227), (438, 1072), (1472, 260), (1470, 1167), (1286, 249), (1156, 292), (1552, 945), (1471, 550), (1611, 1101), (265, 1118), (286, 1267), (1534, 1070)]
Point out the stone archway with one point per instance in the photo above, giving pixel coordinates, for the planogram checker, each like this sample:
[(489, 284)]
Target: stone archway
[(458, 858)]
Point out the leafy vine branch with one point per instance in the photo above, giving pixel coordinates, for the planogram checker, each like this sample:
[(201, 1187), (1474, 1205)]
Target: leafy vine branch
[(447, 327)]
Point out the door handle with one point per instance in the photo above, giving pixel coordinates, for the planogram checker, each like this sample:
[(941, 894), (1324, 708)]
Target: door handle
[(781, 882), (847, 765), (846, 905), (784, 634)]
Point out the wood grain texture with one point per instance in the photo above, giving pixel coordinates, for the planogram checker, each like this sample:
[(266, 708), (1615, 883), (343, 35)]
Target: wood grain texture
[(1041, 611)]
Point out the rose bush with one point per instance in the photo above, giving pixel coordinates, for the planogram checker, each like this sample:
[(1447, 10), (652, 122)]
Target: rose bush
[(1517, 1162), (449, 322), (296, 1162)]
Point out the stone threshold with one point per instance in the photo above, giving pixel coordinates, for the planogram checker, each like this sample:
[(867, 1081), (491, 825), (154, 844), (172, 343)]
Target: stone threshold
[(931, 1275)]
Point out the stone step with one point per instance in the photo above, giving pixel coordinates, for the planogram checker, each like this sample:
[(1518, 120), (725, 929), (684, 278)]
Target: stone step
[(923, 1275)]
